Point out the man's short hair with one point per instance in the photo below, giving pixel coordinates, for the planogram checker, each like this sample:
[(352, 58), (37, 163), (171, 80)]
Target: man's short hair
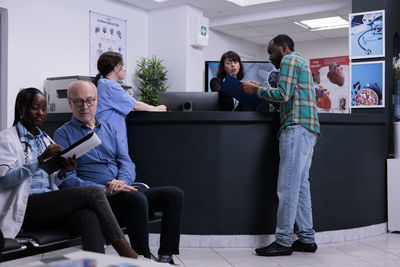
[(75, 82), (282, 39)]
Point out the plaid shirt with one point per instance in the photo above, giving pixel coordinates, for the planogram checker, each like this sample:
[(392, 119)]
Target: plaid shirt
[(295, 93)]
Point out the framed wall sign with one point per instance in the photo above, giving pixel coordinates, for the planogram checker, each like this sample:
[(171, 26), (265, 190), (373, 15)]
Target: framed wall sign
[(367, 34), (106, 34), (367, 87)]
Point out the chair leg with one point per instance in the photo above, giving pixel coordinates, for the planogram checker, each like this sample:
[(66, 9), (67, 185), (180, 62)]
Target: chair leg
[(154, 255)]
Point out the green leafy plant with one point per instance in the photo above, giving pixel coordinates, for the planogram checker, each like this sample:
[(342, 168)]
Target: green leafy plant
[(152, 78)]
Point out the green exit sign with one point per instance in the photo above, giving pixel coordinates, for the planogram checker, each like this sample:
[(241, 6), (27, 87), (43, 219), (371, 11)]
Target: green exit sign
[(203, 31)]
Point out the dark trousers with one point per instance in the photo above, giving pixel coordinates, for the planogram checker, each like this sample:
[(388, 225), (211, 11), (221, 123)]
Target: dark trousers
[(84, 210), (1, 242), (132, 209)]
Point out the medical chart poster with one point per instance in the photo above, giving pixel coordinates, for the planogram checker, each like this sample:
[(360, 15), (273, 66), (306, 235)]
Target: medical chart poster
[(331, 83), (367, 84), (106, 34), (367, 34)]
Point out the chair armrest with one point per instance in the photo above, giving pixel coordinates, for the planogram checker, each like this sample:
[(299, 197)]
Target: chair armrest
[(138, 184)]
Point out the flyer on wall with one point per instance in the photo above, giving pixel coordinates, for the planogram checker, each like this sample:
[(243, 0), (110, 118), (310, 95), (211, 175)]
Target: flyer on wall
[(106, 34), (367, 34), (331, 83), (368, 84)]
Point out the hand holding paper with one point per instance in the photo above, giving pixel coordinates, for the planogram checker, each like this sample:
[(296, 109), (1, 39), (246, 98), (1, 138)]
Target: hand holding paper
[(68, 164), (250, 87), (232, 87), (64, 159), (50, 151)]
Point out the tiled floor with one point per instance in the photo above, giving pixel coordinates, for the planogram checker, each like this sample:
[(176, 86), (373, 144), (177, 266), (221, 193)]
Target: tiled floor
[(383, 250)]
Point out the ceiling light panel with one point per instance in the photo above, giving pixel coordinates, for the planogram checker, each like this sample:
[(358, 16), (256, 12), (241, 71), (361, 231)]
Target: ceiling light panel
[(324, 23), (251, 2)]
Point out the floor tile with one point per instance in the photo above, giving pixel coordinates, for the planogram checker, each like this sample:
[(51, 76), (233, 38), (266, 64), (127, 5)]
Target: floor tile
[(21, 262), (297, 259), (331, 256), (365, 252), (239, 257), (201, 257), (386, 263)]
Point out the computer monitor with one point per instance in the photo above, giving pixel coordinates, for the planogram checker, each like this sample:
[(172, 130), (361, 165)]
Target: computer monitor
[(262, 71), (189, 101)]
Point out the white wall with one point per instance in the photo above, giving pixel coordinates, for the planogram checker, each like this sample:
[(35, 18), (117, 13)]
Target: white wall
[(167, 29), (195, 57), (323, 48), (219, 43), (50, 38), (169, 39)]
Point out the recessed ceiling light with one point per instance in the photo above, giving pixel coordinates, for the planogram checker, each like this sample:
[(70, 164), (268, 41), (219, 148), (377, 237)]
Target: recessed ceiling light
[(160, 1), (324, 23), (251, 2)]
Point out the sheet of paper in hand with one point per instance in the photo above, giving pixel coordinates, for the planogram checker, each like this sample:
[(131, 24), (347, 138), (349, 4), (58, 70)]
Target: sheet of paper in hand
[(78, 148)]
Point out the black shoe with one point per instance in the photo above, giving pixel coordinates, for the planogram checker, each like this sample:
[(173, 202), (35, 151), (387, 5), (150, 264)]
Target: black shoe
[(303, 247), (274, 249)]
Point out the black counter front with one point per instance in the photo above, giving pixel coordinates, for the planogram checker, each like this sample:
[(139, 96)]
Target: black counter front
[(227, 164)]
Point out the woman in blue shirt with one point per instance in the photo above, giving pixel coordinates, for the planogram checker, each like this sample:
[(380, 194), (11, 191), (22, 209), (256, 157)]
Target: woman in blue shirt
[(29, 198), (114, 103)]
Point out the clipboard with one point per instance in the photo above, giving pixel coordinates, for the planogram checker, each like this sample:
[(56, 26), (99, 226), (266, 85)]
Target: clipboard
[(78, 148), (231, 87)]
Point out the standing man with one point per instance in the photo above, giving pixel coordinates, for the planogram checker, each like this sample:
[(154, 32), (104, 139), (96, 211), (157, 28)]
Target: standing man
[(297, 137)]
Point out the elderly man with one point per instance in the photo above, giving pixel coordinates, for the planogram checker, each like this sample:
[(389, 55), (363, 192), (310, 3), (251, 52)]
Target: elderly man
[(297, 137), (109, 167)]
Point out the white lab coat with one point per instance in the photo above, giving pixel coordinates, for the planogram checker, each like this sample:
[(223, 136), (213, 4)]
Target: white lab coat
[(13, 201)]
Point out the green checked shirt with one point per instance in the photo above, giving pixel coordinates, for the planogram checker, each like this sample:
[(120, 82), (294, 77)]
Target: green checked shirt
[(295, 93)]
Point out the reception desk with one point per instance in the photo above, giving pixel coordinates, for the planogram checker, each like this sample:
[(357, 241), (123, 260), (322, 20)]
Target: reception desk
[(227, 164)]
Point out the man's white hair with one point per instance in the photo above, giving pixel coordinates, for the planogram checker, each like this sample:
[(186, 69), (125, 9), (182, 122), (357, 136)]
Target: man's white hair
[(72, 84)]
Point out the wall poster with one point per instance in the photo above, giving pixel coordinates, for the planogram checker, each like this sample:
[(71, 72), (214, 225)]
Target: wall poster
[(367, 84), (106, 34), (367, 34), (331, 83)]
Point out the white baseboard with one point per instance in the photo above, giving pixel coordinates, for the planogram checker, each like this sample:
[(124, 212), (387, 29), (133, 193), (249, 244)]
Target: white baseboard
[(252, 241)]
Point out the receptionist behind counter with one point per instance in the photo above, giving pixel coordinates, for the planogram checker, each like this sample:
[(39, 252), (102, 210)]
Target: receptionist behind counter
[(230, 63)]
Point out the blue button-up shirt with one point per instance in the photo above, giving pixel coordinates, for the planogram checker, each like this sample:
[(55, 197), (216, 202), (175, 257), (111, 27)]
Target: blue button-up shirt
[(109, 160), (40, 178)]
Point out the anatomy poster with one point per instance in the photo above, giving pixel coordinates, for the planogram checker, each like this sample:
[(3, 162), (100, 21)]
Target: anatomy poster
[(331, 83), (367, 84), (106, 34), (367, 34)]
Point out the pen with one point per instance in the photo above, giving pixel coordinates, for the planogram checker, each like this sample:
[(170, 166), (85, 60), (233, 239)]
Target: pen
[(48, 137)]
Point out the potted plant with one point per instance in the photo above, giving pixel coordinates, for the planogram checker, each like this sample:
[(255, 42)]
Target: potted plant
[(152, 78)]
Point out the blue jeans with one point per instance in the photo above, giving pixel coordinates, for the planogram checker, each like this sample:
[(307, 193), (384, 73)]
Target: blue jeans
[(296, 147)]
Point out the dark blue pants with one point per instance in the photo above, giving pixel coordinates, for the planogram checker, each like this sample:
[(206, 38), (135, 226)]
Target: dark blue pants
[(132, 210)]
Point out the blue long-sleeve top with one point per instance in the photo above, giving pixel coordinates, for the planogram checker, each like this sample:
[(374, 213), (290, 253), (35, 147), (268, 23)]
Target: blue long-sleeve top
[(109, 160)]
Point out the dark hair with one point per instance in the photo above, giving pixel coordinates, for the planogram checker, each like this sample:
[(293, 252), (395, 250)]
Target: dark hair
[(24, 99), (233, 56), (106, 63), (283, 39)]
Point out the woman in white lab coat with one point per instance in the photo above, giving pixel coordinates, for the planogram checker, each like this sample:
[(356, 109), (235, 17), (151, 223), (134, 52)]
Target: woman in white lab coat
[(29, 198)]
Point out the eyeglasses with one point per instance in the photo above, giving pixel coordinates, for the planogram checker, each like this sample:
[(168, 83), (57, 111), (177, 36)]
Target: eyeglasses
[(79, 102)]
